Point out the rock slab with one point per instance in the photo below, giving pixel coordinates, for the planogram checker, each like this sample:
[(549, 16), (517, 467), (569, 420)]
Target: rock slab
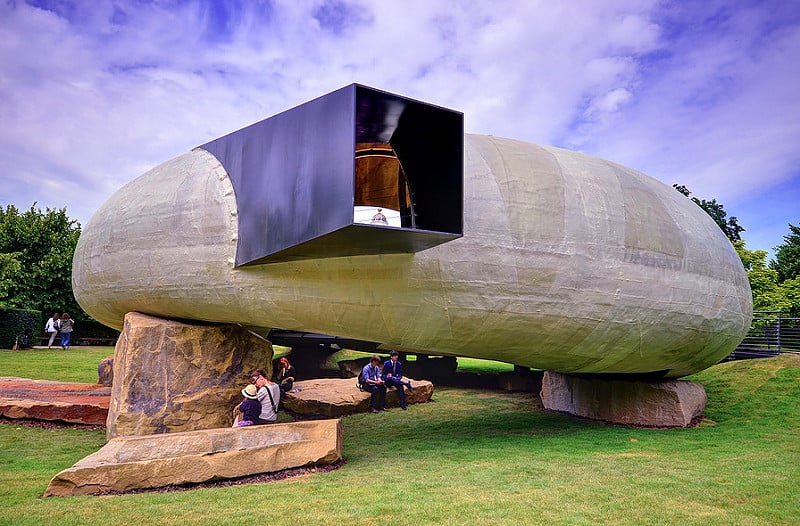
[(75, 403), (672, 403), (171, 376), (335, 397), (190, 457)]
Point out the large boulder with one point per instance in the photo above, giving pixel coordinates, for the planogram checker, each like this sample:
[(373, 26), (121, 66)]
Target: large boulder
[(75, 403), (671, 403), (128, 463), (335, 397), (171, 376)]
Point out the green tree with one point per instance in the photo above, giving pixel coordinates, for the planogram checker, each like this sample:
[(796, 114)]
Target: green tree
[(768, 293), (729, 225), (787, 256), (36, 250)]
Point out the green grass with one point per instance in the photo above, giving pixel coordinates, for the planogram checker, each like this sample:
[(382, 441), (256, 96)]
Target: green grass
[(476, 457), (76, 364)]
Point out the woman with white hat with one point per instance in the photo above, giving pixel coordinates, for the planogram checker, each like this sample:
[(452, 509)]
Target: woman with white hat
[(250, 407)]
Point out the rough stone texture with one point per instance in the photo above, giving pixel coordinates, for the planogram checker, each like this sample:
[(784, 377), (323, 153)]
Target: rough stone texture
[(567, 263), (671, 403), (128, 463), (105, 371), (171, 376), (75, 403), (351, 368), (334, 397)]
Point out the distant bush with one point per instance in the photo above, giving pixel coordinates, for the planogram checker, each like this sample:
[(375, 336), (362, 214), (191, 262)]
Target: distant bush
[(18, 323)]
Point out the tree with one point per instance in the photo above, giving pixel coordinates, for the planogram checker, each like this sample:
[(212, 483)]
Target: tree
[(768, 292), (36, 250), (730, 226), (787, 256)]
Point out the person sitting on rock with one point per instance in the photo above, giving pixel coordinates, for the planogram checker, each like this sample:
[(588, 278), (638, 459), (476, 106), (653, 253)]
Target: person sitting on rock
[(285, 377), (250, 407), (392, 375), (375, 384), (269, 394)]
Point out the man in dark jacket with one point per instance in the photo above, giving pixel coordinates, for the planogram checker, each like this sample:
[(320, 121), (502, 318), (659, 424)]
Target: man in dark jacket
[(392, 375)]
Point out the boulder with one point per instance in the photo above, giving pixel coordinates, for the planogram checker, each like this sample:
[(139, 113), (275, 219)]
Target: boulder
[(171, 376), (190, 457), (334, 397), (75, 403), (105, 371), (351, 368), (672, 403)]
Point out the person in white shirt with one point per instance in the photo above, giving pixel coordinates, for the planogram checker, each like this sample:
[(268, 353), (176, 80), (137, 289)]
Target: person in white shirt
[(51, 328), (269, 394)]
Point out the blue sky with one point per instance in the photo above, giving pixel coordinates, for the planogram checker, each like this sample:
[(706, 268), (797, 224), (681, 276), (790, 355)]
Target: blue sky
[(701, 93)]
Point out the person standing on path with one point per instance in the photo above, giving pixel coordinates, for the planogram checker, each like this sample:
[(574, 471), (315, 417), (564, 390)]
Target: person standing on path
[(65, 325), (51, 328)]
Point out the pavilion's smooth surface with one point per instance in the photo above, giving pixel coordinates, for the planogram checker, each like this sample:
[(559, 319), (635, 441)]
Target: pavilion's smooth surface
[(568, 263)]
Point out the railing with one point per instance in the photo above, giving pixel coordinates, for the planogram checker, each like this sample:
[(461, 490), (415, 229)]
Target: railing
[(770, 334)]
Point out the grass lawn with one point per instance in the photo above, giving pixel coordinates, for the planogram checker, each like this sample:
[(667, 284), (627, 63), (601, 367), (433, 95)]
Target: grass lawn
[(468, 457)]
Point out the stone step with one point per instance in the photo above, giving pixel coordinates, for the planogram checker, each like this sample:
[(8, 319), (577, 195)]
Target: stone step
[(191, 457)]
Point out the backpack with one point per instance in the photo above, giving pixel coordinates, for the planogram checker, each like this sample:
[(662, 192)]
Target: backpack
[(360, 381)]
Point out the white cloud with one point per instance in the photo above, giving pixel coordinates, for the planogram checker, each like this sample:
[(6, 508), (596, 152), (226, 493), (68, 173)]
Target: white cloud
[(92, 95)]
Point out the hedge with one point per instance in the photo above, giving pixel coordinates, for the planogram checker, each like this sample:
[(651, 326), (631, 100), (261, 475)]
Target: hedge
[(18, 322)]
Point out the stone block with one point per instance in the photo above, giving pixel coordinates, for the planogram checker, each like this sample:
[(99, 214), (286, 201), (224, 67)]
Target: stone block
[(105, 371), (335, 397), (171, 376), (75, 403), (139, 462), (671, 403)]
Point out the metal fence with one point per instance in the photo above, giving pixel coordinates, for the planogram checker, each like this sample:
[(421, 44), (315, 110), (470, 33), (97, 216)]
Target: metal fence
[(770, 334)]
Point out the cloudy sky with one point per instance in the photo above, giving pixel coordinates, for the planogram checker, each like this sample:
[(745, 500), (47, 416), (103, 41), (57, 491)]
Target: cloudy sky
[(701, 93)]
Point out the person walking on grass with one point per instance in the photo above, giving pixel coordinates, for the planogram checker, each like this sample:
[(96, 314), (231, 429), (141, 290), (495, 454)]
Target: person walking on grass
[(375, 384), (51, 329), (65, 325)]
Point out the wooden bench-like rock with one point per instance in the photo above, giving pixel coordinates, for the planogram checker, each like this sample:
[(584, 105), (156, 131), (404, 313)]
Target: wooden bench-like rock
[(190, 457), (335, 397)]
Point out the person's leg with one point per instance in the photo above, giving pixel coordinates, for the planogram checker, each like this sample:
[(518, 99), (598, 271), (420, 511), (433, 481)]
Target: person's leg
[(382, 397), (52, 337), (65, 337), (373, 397), (401, 393)]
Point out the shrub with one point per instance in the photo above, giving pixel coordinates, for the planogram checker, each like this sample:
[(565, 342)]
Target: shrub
[(18, 323)]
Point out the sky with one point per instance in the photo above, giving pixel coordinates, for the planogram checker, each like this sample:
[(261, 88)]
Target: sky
[(700, 93)]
